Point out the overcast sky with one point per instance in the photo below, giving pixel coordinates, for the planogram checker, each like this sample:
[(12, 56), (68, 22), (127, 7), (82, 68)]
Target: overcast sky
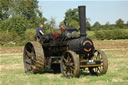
[(97, 10)]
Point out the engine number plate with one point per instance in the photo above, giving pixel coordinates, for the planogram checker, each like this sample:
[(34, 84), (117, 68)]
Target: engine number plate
[(91, 62)]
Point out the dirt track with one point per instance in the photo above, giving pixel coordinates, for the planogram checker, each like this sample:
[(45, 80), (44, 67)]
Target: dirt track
[(111, 44), (115, 47), (11, 49)]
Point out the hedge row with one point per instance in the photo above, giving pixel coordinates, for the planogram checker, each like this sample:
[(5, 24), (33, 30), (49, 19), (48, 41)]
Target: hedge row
[(29, 34), (112, 34), (6, 37)]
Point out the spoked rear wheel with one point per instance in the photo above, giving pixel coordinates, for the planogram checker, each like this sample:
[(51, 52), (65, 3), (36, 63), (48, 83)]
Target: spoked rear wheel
[(34, 60), (104, 63), (70, 65)]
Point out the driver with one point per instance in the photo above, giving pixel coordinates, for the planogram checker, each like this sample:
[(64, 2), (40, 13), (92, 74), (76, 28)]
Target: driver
[(39, 31)]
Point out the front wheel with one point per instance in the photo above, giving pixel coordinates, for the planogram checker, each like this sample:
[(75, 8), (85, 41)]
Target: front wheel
[(104, 63), (70, 65)]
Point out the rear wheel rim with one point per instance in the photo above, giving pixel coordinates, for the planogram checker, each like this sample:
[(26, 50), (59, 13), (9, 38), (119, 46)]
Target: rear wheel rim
[(34, 59), (30, 58)]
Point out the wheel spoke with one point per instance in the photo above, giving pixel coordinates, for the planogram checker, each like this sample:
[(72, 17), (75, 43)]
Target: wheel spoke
[(65, 60), (98, 69), (71, 64), (95, 57), (33, 62), (68, 57), (72, 69), (33, 59), (64, 67), (66, 70), (29, 68), (72, 72), (95, 69), (99, 56), (69, 73), (28, 61), (28, 53), (65, 64)]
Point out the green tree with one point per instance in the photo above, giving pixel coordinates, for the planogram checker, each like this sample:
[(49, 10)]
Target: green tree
[(120, 23), (51, 24), (16, 24), (71, 14), (28, 8), (88, 25), (72, 17), (61, 24), (75, 24), (4, 9), (107, 25), (96, 25)]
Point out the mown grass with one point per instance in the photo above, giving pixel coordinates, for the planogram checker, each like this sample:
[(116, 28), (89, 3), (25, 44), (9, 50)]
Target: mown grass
[(12, 73)]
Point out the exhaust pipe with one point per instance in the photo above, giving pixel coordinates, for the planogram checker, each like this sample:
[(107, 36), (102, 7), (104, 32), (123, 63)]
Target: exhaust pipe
[(82, 19)]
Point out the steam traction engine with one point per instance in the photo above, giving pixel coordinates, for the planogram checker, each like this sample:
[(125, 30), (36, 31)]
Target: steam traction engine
[(67, 52)]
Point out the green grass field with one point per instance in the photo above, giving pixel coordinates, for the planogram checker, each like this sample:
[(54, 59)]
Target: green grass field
[(12, 72)]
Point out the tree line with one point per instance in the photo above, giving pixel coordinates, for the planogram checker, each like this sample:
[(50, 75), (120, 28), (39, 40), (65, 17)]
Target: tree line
[(119, 30), (20, 18), (72, 17)]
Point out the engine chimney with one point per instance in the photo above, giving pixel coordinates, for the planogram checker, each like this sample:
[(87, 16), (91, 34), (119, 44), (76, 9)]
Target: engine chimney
[(82, 19)]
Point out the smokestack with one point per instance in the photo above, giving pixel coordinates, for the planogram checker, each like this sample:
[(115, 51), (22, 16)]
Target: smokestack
[(82, 19)]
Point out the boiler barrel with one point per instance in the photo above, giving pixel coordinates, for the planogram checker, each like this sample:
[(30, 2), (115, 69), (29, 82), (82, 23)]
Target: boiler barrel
[(81, 45)]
